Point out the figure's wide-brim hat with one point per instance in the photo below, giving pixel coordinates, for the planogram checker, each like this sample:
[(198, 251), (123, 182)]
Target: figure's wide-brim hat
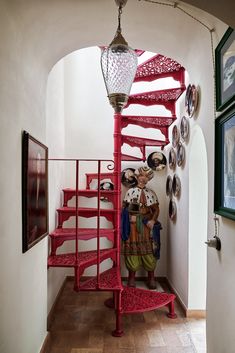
[(146, 171)]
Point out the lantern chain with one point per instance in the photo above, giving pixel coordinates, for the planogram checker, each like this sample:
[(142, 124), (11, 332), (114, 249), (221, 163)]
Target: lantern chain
[(211, 30), (119, 19)]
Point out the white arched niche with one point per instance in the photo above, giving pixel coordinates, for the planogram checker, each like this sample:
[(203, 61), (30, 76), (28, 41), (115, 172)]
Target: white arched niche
[(198, 205)]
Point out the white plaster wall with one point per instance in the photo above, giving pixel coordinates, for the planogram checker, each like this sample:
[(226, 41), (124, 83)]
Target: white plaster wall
[(197, 235), (23, 306), (177, 246), (34, 36), (55, 137)]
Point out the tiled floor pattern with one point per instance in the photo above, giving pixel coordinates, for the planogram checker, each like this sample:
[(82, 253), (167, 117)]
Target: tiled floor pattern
[(82, 324)]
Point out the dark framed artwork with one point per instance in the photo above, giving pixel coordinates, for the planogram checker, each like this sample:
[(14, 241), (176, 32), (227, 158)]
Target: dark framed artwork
[(225, 70), (224, 193), (34, 191)]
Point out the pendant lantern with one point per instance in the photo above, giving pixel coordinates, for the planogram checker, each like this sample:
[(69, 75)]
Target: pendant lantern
[(119, 64)]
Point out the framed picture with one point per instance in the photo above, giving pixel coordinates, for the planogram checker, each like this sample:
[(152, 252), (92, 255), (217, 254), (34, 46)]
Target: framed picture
[(225, 70), (34, 191), (224, 193)]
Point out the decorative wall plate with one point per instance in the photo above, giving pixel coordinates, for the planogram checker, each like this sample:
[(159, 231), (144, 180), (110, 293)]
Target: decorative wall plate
[(176, 185), (172, 158), (187, 97), (172, 209), (128, 178), (175, 136), (169, 186), (184, 128), (106, 185), (156, 161), (180, 154), (191, 100)]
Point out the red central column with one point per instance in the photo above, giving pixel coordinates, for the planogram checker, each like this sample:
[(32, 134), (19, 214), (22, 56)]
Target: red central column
[(117, 176)]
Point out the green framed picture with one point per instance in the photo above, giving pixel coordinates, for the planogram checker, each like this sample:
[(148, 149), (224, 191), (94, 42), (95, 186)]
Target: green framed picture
[(224, 192), (225, 70)]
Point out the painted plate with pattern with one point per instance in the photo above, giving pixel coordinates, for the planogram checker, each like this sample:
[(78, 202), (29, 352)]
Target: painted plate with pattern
[(187, 97), (191, 100), (172, 158), (169, 186), (172, 209), (128, 178), (176, 185), (175, 136), (184, 128), (106, 185), (156, 161), (180, 154)]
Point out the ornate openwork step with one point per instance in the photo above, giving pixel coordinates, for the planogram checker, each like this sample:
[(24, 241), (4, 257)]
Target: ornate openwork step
[(126, 157), (166, 97), (69, 193), (60, 235), (85, 259), (109, 280), (135, 300), (159, 66), (155, 122), (64, 213), (136, 141), (92, 176), (161, 123)]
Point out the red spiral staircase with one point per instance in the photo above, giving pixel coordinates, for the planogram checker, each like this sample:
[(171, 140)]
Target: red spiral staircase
[(125, 300)]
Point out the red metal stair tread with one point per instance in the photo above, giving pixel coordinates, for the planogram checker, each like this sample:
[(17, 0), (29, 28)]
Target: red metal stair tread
[(84, 258), (141, 141), (136, 300), (64, 213), (106, 194), (83, 233), (148, 121), (83, 209), (156, 97), (158, 66), (126, 157), (91, 176), (109, 280), (102, 175), (89, 192)]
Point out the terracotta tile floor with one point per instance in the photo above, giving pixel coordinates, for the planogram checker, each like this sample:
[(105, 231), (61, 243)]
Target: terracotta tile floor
[(82, 324)]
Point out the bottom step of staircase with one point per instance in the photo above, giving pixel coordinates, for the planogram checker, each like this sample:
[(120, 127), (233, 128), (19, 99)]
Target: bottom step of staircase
[(136, 300)]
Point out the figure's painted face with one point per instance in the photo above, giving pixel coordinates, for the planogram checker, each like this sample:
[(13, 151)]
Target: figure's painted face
[(142, 180)]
